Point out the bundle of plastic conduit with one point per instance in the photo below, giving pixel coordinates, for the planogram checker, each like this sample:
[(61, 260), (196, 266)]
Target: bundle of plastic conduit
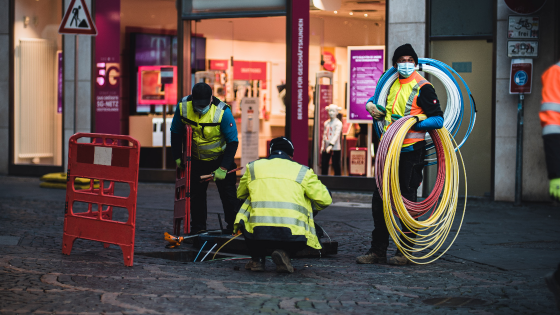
[(431, 232), (454, 109)]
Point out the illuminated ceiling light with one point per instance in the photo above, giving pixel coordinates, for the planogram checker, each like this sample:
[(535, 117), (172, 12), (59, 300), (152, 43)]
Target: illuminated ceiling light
[(335, 12), (365, 15), (351, 13)]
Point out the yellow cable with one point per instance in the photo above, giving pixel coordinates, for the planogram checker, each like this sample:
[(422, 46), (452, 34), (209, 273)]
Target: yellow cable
[(224, 245), (432, 232)]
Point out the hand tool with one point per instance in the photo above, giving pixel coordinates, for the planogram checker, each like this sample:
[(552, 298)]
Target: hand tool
[(175, 241), (206, 178)]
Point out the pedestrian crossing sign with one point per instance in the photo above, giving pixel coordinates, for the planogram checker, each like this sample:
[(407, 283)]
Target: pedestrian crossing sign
[(77, 20)]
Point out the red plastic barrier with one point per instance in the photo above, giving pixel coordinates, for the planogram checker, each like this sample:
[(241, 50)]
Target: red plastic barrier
[(182, 210), (106, 160)]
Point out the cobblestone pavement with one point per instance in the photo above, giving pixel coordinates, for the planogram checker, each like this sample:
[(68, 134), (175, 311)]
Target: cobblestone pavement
[(500, 257)]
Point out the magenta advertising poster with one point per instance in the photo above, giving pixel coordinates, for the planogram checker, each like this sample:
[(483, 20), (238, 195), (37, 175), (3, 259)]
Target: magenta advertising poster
[(365, 65), (59, 83), (107, 67)]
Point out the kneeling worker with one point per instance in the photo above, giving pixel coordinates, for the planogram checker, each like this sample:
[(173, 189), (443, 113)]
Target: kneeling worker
[(213, 150), (277, 215)]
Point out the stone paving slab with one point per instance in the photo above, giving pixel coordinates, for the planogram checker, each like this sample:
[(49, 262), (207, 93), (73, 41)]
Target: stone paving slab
[(500, 257)]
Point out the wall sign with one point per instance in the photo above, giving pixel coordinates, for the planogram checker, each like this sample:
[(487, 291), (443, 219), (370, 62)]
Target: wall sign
[(366, 64), (523, 48), (249, 130), (521, 74), (219, 64), (523, 26), (358, 158), (249, 70)]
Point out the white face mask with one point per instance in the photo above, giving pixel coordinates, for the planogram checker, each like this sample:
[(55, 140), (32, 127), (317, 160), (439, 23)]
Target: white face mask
[(405, 69)]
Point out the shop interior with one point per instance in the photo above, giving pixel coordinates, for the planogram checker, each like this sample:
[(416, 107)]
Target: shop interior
[(243, 58)]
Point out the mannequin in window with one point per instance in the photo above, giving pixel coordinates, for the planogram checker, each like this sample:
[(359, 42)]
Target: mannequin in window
[(330, 146)]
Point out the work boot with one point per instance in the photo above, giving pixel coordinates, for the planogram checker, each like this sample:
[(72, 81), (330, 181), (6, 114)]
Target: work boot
[(371, 258), (282, 261), (554, 287), (253, 265), (399, 259)]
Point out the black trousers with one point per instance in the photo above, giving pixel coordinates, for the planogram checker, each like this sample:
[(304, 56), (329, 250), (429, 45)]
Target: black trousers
[(410, 177), (258, 249), (326, 157), (226, 189)]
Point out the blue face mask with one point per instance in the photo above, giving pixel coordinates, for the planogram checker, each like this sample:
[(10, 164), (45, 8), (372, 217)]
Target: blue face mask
[(405, 69), (203, 110)]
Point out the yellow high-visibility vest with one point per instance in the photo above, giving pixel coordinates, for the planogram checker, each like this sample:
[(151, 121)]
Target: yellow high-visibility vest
[(281, 193), (208, 141), (402, 101)]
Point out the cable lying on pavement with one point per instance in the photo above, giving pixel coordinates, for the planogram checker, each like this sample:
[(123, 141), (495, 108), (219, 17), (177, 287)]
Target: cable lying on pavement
[(430, 233)]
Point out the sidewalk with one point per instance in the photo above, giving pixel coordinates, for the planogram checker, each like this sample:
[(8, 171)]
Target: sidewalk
[(496, 265)]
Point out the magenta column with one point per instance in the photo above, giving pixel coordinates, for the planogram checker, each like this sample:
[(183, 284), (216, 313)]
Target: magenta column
[(297, 77), (107, 68)]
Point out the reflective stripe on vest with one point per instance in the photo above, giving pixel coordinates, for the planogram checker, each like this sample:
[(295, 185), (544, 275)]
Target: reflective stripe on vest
[(301, 174), (550, 106), (412, 95), (252, 170), (282, 221), (415, 135), (550, 129)]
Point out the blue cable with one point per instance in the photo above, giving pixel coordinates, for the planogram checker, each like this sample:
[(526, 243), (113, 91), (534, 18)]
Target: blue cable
[(200, 250)]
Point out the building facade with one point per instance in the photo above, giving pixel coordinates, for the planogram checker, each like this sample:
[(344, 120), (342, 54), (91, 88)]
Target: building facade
[(244, 53)]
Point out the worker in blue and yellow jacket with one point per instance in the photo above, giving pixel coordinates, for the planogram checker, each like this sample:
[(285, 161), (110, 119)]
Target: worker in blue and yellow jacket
[(280, 199), (213, 150)]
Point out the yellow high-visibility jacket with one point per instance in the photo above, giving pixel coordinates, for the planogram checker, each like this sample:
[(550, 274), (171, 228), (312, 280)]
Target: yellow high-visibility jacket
[(208, 141), (280, 198)]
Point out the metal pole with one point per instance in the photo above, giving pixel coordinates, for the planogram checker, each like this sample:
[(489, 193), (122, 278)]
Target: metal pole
[(519, 152), (164, 132), (76, 84), (368, 146)]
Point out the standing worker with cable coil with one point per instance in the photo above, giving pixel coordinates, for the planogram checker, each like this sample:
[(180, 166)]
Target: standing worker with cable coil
[(213, 150), (411, 94)]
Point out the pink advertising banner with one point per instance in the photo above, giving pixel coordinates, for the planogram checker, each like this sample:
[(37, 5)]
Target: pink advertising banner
[(107, 67), (219, 64), (298, 69), (365, 65), (249, 70)]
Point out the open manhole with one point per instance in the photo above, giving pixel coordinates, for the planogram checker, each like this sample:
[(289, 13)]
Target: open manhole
[(183, 256), (455, 302)]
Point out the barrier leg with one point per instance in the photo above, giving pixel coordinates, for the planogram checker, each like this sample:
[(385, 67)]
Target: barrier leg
[(128, 254), (67, 243)]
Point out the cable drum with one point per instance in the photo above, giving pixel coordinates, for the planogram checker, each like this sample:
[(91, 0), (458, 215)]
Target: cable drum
[(453, 114)]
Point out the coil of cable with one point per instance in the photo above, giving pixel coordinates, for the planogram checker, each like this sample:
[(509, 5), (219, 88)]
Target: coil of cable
[(431, 232), (453, 114)]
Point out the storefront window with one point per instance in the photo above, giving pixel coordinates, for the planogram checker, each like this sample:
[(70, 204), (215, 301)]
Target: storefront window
[(37, 82)]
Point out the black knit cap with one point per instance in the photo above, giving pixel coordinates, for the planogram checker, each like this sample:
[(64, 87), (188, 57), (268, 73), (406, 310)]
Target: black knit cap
[(201, 95), (405, 50), (282, 144)]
